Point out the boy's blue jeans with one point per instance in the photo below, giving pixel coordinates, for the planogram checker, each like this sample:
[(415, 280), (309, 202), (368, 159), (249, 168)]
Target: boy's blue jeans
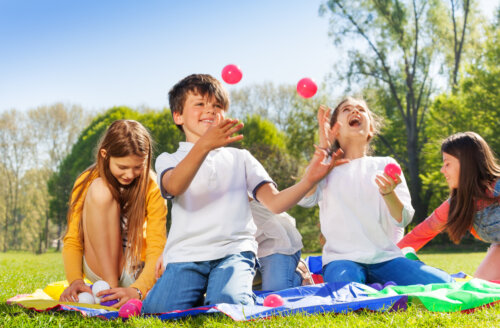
[(185, 285), (280, 271), (400, 270)]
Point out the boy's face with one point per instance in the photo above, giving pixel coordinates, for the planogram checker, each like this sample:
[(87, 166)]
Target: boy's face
[(198, 114)]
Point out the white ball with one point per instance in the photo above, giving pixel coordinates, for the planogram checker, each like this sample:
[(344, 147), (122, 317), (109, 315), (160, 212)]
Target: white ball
[(86, 298), (97, 287)]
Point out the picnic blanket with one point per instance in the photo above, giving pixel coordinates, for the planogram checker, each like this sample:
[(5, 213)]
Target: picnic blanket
[(466, 295)]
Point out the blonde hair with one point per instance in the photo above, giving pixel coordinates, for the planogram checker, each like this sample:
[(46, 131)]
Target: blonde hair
[(122, 138)]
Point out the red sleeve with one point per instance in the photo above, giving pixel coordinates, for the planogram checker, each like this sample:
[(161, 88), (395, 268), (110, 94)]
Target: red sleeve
[(428, 229)]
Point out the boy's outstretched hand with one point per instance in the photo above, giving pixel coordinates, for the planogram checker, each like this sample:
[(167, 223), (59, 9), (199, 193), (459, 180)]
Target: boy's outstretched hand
[(319, 166), (220, 133)]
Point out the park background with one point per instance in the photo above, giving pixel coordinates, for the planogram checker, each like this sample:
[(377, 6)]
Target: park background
[(68, 69)]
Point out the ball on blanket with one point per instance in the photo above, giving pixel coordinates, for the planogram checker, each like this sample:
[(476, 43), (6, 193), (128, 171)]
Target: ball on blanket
[(110, 302), (376, 285), (98, 286), (131, 308), (86, 298), (273, 300), (390, 283)]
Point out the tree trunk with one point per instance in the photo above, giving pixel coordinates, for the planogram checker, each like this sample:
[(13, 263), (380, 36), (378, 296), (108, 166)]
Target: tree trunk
[(415, 184), (46, 230), (59, 231)]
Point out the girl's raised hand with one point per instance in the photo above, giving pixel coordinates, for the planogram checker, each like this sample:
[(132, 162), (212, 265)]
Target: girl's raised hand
[(324, 126), (326, 132), (386, 184)]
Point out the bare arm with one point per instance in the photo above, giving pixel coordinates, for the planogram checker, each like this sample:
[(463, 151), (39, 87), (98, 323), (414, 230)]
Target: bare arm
[(280, 201), (387, 186), (177, 180)]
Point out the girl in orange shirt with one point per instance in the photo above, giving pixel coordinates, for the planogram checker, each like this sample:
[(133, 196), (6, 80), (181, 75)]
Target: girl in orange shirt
[(116, 220)]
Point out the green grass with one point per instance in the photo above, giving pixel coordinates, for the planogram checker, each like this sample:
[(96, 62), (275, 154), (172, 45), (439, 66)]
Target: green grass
[(24, 273)]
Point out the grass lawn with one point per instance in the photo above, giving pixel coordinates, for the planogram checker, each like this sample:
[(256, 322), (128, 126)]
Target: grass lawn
[(24, 273)]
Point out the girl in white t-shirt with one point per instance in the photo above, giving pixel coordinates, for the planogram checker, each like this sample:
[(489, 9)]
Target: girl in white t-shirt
[(360, 205)]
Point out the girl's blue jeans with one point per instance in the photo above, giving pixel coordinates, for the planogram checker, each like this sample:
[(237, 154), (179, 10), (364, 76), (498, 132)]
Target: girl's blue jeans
[(189, 284), (400, 270), (279, 271)]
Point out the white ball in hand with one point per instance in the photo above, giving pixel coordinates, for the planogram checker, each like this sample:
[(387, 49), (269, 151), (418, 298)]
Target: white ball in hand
[(86, 298), (98, 286)]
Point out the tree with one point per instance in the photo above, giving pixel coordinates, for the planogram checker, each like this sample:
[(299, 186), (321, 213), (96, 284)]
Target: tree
[(16, 147), (55, 128), (396, 62), (266, 100)]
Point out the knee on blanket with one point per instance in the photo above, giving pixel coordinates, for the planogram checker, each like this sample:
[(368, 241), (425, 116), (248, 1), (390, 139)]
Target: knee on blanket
[(222, 297)]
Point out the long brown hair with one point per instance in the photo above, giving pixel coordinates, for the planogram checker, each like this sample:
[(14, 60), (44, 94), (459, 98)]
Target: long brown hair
[(122, 138), (375, 120), (479, 169)]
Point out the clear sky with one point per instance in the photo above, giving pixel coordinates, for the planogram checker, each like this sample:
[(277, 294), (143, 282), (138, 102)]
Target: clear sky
[(102, 53)]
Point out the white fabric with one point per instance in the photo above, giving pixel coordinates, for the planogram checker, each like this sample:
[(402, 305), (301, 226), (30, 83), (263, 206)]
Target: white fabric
[(276, 233), (212, 218), (354, 218)]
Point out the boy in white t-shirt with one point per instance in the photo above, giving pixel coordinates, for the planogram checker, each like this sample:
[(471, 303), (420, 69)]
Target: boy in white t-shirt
[(210, 252)]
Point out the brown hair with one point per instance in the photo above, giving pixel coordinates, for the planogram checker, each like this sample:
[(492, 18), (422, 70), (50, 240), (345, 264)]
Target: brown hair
[(479, 169), (202, 84), (122, 138), (375, 120)]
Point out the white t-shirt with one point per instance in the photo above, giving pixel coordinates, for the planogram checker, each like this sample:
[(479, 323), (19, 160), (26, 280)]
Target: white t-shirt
[(276, 233), (212, 218), (354, 218)]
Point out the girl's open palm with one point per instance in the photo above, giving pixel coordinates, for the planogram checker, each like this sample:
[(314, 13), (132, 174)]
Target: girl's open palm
[(326, 132)]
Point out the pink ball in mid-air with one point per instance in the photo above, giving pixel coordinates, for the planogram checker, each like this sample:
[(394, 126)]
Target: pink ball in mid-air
[(392, 170), (273, 300), (307, 87), (231, 74), (131, 308)]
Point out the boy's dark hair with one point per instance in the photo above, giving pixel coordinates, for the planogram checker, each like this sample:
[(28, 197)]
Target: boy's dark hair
[(202, 84)]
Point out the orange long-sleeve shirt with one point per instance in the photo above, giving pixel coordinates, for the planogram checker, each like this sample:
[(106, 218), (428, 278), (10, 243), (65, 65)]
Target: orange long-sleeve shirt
[(154, 237)]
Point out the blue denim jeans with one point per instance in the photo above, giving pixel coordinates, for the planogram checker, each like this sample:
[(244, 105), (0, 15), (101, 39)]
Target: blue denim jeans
[(400, 270), (183, 285), (280, 271)]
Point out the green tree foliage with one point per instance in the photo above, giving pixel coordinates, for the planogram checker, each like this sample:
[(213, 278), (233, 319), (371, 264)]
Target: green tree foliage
[(474, 105), (395, 63)]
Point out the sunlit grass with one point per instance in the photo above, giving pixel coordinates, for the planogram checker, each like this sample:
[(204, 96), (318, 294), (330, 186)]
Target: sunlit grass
[(23, 273)]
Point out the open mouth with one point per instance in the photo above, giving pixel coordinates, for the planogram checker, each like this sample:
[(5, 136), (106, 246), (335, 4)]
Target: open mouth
[(207, 121), (355, 121)]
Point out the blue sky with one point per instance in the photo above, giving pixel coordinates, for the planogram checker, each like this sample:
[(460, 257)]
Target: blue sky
[(99, 54)]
